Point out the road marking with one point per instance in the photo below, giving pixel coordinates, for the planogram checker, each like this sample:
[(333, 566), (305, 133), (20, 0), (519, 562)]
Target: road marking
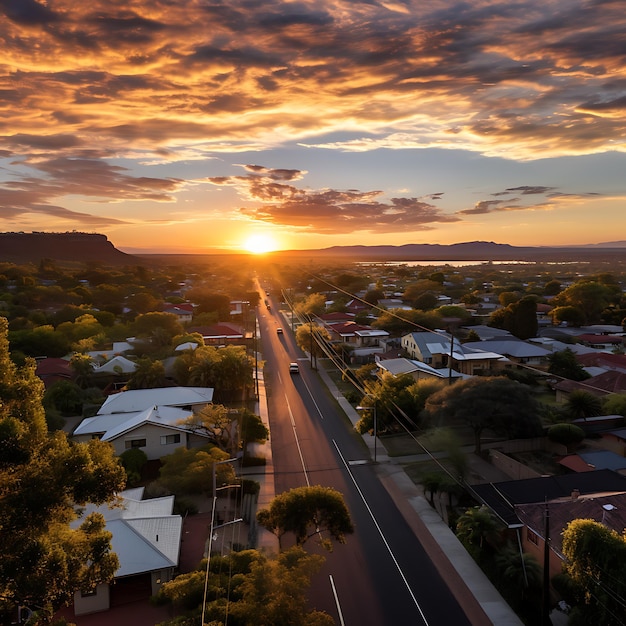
[(382, 536), (295, 435), (332, 584)]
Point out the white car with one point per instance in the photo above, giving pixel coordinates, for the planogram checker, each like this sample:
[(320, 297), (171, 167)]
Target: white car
[(294, 368), (279, 331)]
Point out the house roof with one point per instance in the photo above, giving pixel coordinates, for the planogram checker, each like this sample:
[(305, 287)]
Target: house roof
[(609, 510), (575, 463), (111, 426), (605, 360), (604, 459), (487, 332), (510, 347), (587, 338), (146, 535), (141, 399), (335, 317), (118, 364), (504, 496), (218, 331)]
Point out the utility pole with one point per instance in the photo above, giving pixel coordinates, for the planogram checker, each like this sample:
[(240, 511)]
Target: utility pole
[(545, 607)]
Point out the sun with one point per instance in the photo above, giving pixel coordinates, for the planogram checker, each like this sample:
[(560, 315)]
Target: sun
[(259, 244)]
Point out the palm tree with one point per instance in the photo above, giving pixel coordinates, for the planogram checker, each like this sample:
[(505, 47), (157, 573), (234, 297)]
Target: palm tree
[(582, 404), (476, 526)]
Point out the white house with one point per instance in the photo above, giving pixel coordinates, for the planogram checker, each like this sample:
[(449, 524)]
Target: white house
[(146, 537), (155, 430), (194, 398)]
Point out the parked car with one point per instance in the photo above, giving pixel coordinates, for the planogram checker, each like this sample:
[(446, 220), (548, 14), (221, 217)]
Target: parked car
[(279, 331), (294, 368)]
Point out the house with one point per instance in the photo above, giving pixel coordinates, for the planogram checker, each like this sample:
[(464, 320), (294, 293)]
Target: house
[(146, 537), (329, 319), (155, 430), (52, 370), (436, 349), (515, 350), (183, 312), (521, 505), (193, 398), (604, 342), (599, 385), (417, 369), (116, 365), (220, 334)]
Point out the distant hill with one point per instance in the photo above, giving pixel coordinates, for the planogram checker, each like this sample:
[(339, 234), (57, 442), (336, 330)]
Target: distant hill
[(74, 247), (469, 251)]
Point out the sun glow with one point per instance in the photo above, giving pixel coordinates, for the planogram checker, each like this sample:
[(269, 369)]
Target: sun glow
[(260, 244)]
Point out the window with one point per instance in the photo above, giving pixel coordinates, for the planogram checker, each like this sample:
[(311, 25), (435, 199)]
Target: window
[(88, 593), (135, 443), (531, 536), (167, 439)]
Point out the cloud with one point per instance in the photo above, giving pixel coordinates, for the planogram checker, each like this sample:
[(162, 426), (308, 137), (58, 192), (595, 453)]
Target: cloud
[(327, 210), (494, 77)]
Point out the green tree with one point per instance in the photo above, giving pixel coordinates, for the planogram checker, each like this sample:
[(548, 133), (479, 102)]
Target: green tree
[(595, 559), (191, 471), (310, 337), (476, 526), (315, 304), (83, 367), (590, 297), (564, 364), (582, 404), (160, 328), (614, 404), (571, 315), (133, 460), (566, 434), (249, 587), (148, 374), (65, 396), (307, 512), (398, 322), (519, 318), (498, 404), (43, 477)]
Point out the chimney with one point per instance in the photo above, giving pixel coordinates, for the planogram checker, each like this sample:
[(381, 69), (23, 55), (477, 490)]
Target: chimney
[(575, 494)]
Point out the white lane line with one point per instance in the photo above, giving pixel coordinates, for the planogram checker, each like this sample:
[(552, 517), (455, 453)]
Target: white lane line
[(382, 536), (332, 585), (317, 408), (295, 435)]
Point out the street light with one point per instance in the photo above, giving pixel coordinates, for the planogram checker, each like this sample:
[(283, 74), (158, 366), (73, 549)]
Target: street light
[(371, 408), (213, 527)]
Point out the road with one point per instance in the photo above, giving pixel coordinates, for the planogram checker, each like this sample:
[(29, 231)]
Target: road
[(382, 575)]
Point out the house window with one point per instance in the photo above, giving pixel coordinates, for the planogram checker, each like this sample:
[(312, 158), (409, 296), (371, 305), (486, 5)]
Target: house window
[(167, 439), (532, 537), (89, 593), (135, 443)]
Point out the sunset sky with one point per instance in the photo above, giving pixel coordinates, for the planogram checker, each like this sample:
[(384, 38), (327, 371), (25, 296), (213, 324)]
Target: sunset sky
[(190, 125)]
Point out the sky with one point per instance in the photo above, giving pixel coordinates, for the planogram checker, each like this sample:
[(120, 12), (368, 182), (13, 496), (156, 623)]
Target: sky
[(202, 125)]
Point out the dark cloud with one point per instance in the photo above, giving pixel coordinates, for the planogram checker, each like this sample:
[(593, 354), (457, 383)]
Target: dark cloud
[(328, 210)]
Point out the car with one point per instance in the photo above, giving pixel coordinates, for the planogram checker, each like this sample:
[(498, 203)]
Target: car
[(294, 368), (279, 331)]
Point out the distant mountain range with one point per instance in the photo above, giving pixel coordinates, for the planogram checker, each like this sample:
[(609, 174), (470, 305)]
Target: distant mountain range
[(80, 247), (472, 251)]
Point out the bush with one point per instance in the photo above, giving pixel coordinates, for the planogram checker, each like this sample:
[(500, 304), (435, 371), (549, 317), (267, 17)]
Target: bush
[(566, 434), (184, 506)]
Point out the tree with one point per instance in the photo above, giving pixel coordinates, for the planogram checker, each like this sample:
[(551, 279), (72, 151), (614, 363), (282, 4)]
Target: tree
[(566, 434), (476, 526), (589, 296), (582, 404), (191, 471), (315, 304), (83, 366), (498, 404), (148, 374), (160, 328), (310, 336), (564, 364), (519, 318), (249, 587), (595, 560), (399, 321), (43, 478), (615, 404), (306, 512), (216, 422)]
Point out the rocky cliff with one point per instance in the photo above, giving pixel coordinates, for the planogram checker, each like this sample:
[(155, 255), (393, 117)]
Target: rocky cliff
[(74, 246)]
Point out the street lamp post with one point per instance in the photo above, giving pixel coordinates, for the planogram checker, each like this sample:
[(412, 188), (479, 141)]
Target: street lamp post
[(372, 408), (213, 527)]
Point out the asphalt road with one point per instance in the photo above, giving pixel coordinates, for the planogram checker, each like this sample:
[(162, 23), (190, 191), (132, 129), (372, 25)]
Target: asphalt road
[(382, 575)]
